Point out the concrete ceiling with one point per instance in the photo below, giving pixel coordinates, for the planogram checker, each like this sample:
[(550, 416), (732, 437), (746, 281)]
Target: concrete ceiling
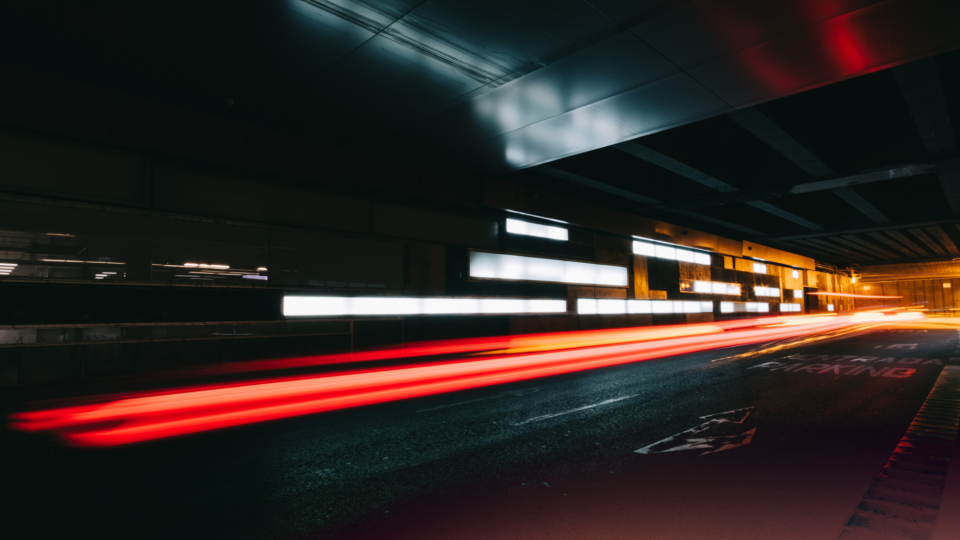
[(777, 122)]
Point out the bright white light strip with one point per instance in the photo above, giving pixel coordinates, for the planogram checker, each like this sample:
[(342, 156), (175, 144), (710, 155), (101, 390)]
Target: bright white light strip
[(744, 307), (515, 267), (7, 264), (254, 276), (604, 306), (798, 293), (789, 307), (108, 273), (759, 268), (200, 265), (667, 252), (294, 306), (713, 287), (767, 291), (532, 229)]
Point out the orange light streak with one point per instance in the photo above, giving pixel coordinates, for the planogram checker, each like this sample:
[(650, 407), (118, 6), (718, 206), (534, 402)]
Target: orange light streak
[(850, 295), (175, 412)]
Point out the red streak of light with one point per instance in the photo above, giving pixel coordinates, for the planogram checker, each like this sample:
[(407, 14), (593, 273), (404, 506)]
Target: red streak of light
[(179, 412), (463, 346), (850, 295)]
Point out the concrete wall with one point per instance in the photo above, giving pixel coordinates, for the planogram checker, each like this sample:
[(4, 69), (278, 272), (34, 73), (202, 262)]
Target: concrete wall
[(937, 296)]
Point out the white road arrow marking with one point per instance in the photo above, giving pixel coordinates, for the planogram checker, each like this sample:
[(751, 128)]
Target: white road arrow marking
[(719, 424)]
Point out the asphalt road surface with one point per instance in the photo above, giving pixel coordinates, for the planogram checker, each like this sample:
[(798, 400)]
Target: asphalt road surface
[(780, 441)]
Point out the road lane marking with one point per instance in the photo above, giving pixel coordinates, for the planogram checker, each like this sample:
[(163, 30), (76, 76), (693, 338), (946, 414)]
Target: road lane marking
[(719, 423), (904, 500), (515, 393), (854, 366), (908, 346), (547, 416)]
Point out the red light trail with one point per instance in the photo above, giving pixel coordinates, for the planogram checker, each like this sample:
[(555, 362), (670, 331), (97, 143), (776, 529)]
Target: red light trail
[(136, 418)]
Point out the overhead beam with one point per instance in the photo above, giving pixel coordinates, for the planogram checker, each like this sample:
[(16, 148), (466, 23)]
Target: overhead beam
[(851, 240), (846, 252), (949, 176), (857, 201), (890, 242), (856, 247), (647, 201), (638, 150), (899, 237), (776, 191), (816, 252), (767, 131), (942, 237), (865, 178), (600, 186), (865, 230), (919, 83), (652, 156), (809, 246), (770, 133), (783, 214), (727, 224), (930, 242)]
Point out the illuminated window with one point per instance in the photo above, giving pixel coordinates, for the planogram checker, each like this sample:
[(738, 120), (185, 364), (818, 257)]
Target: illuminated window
[(798, 293), (669, 252), (760, 268), (603, 306), (361, 305), (789, 307), (767, 291), (795, 273), (710, 287), (665, 252), (515, 267), (829, 307), (532, 229), (744, 307)]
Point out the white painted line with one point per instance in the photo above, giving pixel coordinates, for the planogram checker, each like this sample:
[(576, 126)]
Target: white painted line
[(547, 416), (515, 393)]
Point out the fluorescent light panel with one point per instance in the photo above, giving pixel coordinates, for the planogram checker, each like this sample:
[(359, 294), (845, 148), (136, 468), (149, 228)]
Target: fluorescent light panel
[(767, 291), (798, 293), (515, 267), (795, 273), (789, 307), (713, 287), (760, 268), (202, 265), (532, 229), (294, 306), (744, 307), (668, 252), (604, 306)]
